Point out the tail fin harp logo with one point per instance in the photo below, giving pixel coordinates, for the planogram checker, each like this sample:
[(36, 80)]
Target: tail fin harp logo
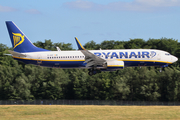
[(18, 39)]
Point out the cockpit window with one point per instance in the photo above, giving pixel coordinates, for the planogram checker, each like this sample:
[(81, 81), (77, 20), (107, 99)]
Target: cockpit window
[(167, 54)]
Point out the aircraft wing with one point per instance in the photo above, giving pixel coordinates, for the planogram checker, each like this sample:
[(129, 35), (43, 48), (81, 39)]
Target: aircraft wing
[(13, 53), (91, 59)]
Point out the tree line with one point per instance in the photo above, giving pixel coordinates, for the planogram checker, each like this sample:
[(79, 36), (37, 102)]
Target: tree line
[(19, 81)]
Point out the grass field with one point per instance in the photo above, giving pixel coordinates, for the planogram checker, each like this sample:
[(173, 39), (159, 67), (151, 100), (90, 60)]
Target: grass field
[(68, 112)]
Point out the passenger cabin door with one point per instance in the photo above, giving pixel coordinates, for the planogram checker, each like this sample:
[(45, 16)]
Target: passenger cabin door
[(159, 56), (39, 60)]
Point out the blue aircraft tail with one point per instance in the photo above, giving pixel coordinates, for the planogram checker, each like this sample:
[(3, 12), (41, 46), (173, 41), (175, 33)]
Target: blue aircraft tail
[(19, 40)]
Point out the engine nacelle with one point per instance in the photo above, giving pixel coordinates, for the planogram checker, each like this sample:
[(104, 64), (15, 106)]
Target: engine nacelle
[(114, 65)]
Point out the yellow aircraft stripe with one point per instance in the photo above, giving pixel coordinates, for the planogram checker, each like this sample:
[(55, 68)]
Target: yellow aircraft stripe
[(145, 60)]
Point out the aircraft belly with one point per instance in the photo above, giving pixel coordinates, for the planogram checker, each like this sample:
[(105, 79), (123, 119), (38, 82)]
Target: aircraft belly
[(63, 64), (59, 64), (142, 63), (77, 64)]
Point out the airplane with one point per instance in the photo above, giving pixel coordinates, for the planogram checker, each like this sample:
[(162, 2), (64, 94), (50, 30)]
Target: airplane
[(93, 60)]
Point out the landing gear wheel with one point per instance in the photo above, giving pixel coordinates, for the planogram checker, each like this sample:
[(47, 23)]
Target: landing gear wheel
[(90, 73)]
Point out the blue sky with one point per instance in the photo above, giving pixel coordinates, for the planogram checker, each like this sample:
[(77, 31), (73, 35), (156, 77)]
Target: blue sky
[(98, 20)]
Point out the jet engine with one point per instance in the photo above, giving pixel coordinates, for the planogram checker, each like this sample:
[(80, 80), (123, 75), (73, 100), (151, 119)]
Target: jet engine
[(113, 65)]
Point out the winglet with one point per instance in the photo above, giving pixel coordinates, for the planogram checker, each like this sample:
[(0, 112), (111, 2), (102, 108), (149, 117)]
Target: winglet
[(79, 44)]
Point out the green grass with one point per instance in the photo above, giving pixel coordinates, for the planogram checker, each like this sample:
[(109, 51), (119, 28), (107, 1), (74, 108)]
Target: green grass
[(69, 112)]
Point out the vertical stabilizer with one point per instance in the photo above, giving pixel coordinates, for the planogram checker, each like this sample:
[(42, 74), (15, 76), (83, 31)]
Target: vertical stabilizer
[(19, 40)]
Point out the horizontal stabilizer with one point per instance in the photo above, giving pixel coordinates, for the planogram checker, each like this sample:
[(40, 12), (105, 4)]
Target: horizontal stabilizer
[(13, 53), (8, 54)]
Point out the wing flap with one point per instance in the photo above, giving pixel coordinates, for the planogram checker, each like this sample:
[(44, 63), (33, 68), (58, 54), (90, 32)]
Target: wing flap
[(89, 64), (88, 60)]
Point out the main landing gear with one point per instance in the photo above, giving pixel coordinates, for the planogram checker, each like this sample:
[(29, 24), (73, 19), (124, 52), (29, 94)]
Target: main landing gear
[(93, 71)]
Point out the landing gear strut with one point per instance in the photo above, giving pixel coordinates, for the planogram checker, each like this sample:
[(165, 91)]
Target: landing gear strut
[(93, 71)]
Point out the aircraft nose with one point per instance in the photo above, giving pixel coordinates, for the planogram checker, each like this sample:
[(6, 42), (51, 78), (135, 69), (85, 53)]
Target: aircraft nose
[(174, 59)]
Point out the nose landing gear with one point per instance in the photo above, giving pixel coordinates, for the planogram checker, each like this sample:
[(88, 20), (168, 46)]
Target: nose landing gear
[(163, 67)]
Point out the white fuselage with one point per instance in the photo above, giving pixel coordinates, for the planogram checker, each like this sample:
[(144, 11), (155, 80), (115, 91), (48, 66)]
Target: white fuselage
[(75, 59)]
